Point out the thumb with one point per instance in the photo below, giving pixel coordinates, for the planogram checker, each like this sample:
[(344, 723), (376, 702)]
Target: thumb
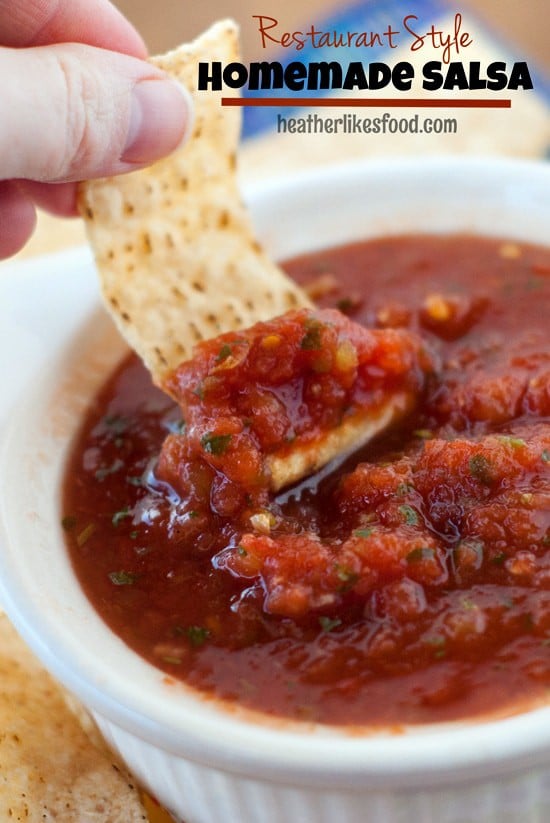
[(72, 112)]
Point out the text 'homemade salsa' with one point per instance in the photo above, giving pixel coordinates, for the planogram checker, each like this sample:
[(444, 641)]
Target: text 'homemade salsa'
[(409, 584)]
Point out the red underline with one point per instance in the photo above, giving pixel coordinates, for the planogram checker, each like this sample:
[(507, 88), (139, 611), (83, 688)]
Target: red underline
[(363, 102)]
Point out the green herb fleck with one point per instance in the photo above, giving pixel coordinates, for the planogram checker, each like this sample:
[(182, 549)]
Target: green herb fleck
[(68, 522), (192, 515), (199, 391), (362, 532), (311, 341), (224, 353), (409, 515), (133, 535), (480, 468), (423, 434), (241, 551), (348, 577), (122, 578), (499, 559), (545, 456), (404, 488), (420, 553), (197, 635), (121, 515), (514, 442), (134, 481), (216, 444), (438, 643), (468, 604), (85, 534), (329, 623)]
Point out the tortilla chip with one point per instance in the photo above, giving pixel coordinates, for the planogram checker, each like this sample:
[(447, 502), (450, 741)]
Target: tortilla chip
[(304, 459), (174, 245), (49, 768)]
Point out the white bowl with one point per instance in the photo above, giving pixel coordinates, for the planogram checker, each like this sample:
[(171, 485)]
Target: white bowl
[(209, 763)]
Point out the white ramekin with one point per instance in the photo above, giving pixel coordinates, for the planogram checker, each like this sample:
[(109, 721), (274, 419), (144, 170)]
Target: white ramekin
[(207, 762)]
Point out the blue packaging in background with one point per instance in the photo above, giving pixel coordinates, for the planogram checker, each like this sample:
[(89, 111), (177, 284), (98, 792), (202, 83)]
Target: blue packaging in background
[(373, 16)]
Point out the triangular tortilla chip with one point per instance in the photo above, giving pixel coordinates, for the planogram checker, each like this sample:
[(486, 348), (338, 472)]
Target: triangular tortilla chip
[(50, 768), (177, 257)]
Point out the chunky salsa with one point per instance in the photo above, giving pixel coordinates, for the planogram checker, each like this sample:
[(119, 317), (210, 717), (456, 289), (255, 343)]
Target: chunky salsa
[(408, 583)]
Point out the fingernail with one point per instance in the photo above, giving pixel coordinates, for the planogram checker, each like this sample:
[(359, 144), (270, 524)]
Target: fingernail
[(160, 118)]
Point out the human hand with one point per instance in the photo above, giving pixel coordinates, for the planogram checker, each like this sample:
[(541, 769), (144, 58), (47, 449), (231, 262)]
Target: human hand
[(77, 102)]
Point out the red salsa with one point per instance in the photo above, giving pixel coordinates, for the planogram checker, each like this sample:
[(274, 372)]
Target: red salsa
[(411, 583)]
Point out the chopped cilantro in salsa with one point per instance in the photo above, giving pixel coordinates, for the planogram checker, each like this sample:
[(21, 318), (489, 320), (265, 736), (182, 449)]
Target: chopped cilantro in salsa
[(410, 583)]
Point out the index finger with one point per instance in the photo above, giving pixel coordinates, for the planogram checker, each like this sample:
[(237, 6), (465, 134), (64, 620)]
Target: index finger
[(43, 22)]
